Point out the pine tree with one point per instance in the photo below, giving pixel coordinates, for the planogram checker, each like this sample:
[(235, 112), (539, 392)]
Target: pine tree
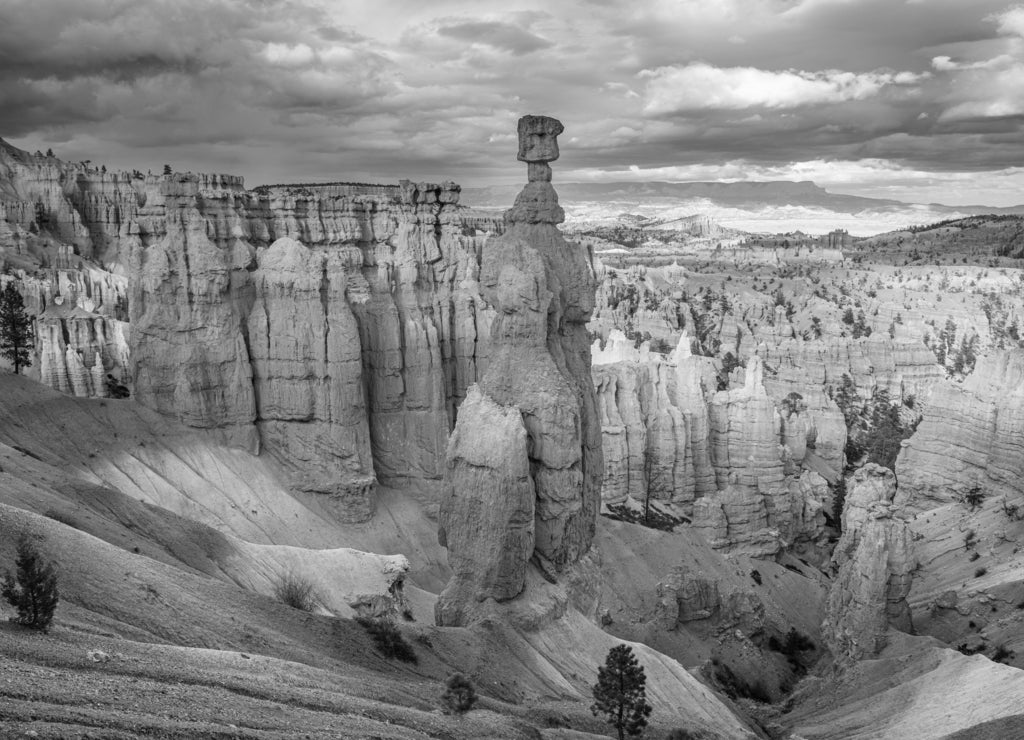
[(33, 590), (459, 695), (620, 692), (15, 328)]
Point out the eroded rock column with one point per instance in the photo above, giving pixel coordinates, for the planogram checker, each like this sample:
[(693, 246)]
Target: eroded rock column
[(524, 461), (875, 561)]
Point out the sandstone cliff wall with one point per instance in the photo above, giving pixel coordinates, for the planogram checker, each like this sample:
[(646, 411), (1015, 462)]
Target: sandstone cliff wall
[(971, 435), (344, 349), (874, 563), (341, 329), (730, 460)]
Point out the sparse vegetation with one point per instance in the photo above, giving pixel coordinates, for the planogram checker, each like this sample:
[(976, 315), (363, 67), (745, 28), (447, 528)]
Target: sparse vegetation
[(32, 589), (974, 497), (459, 695), (620, 692), (737, 687), (16, 338), (297, 592), (389, 639)]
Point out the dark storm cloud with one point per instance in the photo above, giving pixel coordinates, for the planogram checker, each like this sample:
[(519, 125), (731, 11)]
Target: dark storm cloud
[(308, 89)]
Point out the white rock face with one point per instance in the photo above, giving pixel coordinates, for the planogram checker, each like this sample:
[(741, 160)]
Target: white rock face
[(489, 528), (542, 289), (875, 562), (730, 459), (308, 376), (971, 434), (342, 347)]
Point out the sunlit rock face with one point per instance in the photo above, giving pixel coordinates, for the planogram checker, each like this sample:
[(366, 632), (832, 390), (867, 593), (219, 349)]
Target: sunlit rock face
[(971, 436), (874, 563), (337, 327), (535, 484), (344, 350), (729, 460)]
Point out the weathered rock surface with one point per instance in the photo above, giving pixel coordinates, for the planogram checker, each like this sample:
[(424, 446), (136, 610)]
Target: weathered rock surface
[(654, 421), (307, 373), (401, 293), (81, 327), (971, 435), (542, 289), (386, 279), (729, 459), (875, 562)]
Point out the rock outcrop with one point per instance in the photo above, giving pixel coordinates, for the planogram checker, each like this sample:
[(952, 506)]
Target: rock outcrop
[(401, 292), (654, 422), (524, 460), (971, 435), (385, 288), (731, 460), (874, 563)]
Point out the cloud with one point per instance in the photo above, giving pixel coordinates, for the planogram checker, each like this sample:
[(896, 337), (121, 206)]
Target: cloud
[(307, 89), (1010, 22), (503, 36), (701, 86)]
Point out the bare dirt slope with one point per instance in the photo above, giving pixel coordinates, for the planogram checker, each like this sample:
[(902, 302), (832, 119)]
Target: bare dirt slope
[(917, 688), (167, 544)]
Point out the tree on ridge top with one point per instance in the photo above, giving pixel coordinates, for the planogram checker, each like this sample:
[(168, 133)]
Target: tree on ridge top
[(16, 339), (33, 589), (620, 692)]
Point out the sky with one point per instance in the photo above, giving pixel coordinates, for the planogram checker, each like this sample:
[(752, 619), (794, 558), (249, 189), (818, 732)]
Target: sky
[(917, 100)]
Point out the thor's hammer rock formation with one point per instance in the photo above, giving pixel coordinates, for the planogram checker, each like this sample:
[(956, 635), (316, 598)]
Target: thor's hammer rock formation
[(524, 465)]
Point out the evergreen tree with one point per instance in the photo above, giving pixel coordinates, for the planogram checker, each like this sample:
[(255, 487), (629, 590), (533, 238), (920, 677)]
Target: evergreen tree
[(620, 692), (16, 339), (33, 590), (49, 152), (459, 695), (167, 169)]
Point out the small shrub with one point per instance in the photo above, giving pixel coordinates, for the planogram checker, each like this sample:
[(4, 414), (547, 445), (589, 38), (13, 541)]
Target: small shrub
[(980, 572), (756, 575), (459, 695), (297, 592), (388, 639), (1002, 654), (974, 555), (974, 497), (33, 589), (735, 686)]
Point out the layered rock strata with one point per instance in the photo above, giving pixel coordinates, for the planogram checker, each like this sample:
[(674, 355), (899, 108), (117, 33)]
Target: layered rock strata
[(731, 460), (971, 436), (80, 327), (654, 422), (344, 345), (524, 461), (874, 563), (400, 260)]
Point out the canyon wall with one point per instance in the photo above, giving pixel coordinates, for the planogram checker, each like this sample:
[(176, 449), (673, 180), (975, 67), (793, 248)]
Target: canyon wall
[(336, 326), (971, 436), (731, 461)]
